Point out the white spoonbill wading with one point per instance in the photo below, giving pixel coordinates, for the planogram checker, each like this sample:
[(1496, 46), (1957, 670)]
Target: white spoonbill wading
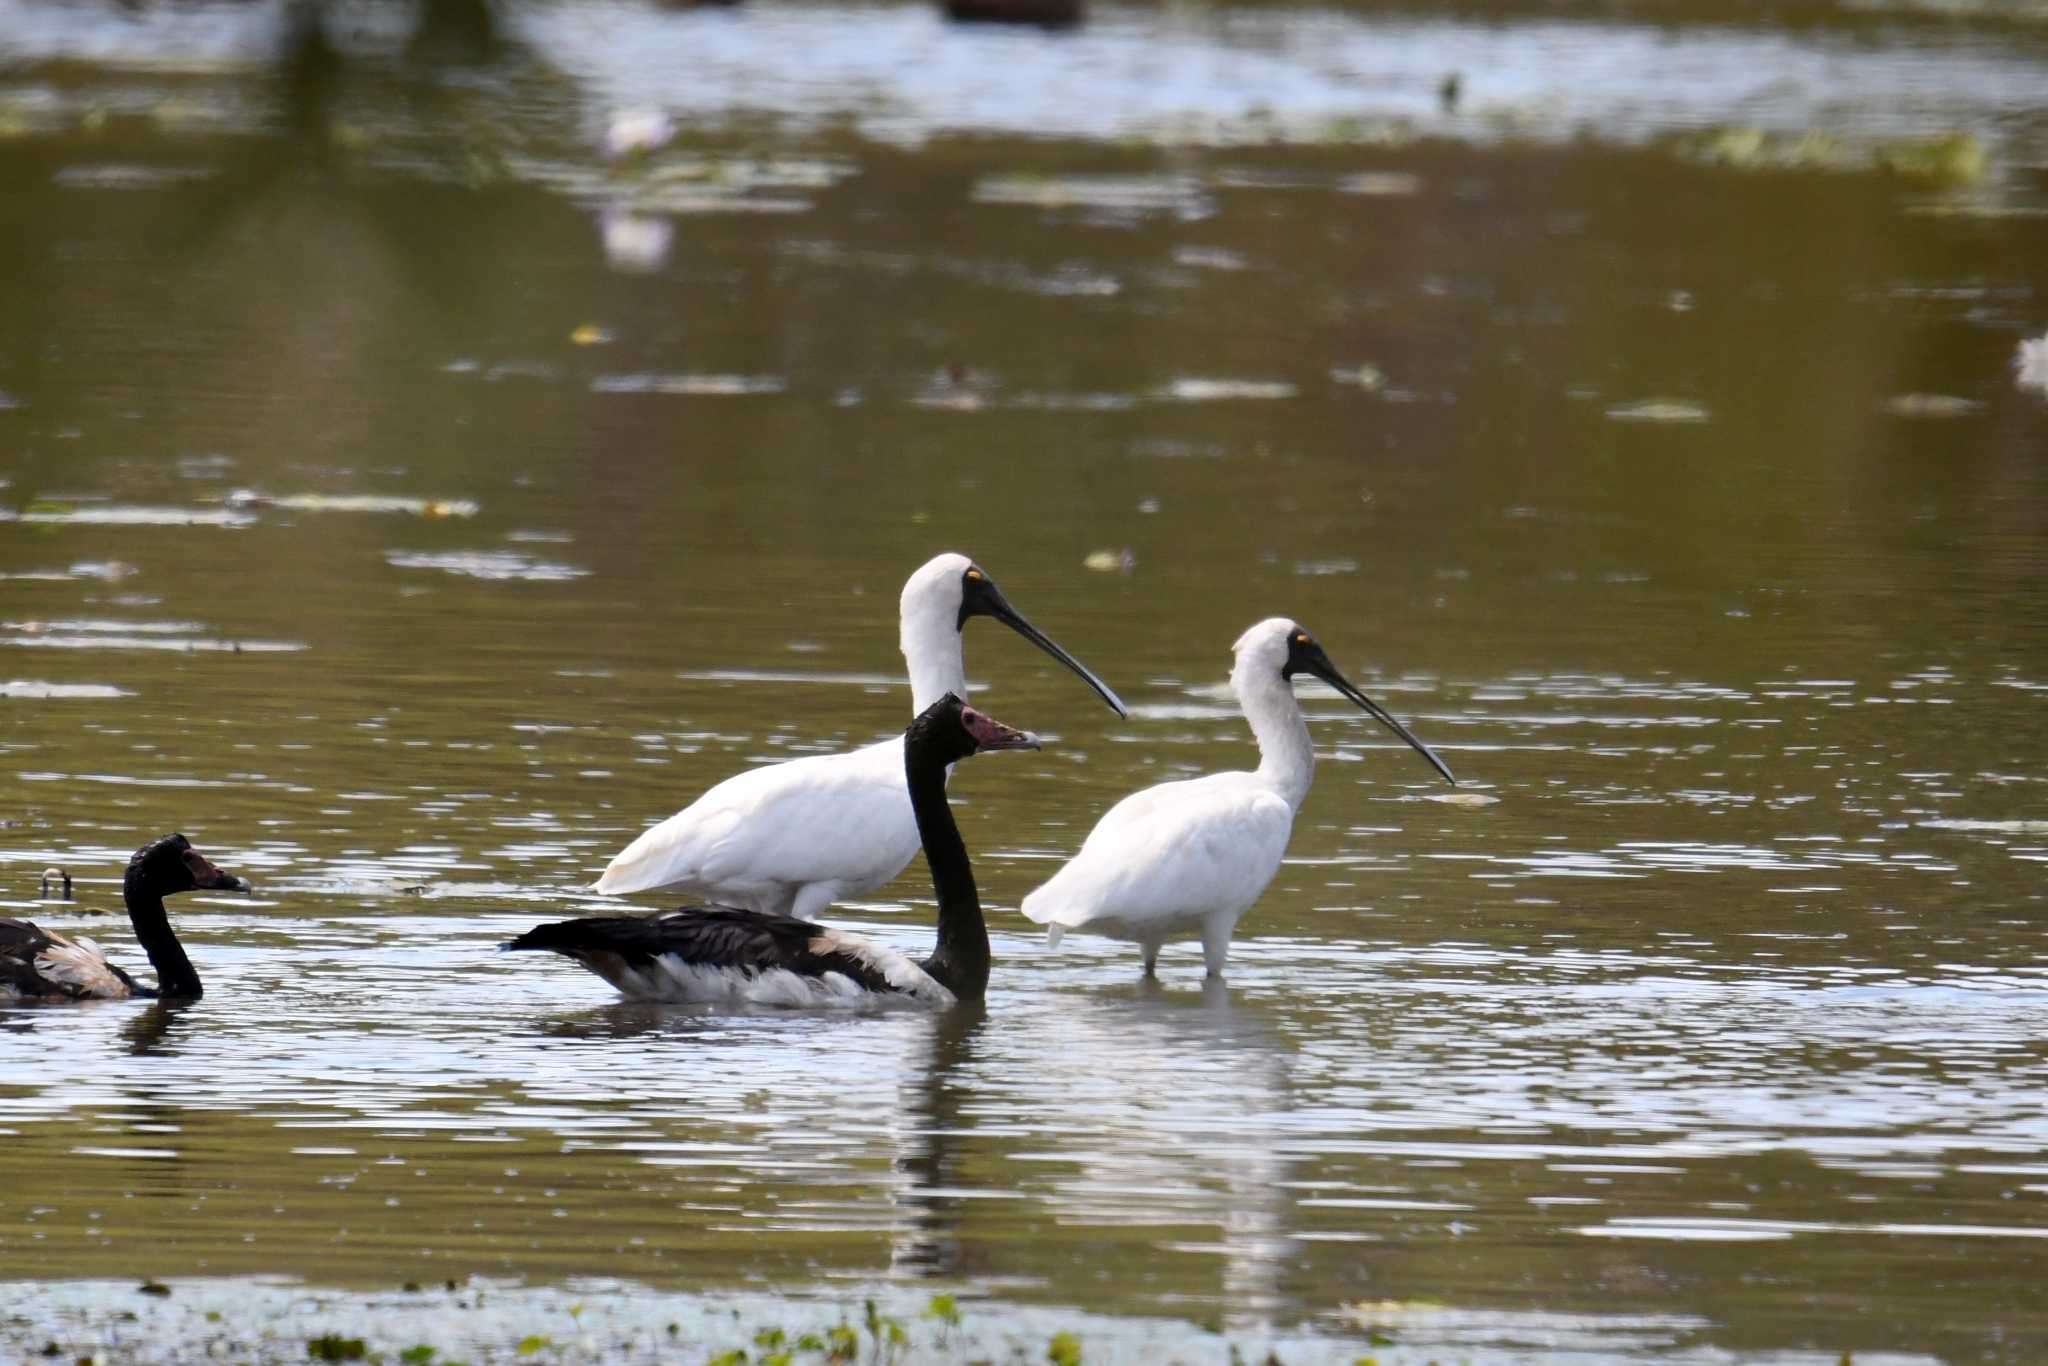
[(1191, 857), (714, 954), (42, 965), (794, 837)]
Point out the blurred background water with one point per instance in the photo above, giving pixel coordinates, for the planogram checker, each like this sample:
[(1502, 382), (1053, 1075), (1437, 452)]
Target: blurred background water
[(435, 444)]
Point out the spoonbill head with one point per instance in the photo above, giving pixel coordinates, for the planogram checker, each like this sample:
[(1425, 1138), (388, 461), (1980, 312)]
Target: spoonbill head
[(938, 601), (1299, 652), (1189, 858)]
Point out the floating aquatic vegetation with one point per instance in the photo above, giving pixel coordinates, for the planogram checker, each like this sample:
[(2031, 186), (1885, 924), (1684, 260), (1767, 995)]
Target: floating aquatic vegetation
[(112, 177), (1381, 184), (635, 133), (355, 502), (34, 690), (105, 571), (204, 466), (690, 385), (1954, 159), (96, 634), (635, 242), (1192, 390), (1209, 258), (1931, 405), (2019, 827), (1754, 149), (2031, 364), (1668, 410), (1179, 197), (494, 565), (112, 514), (1070, 403), (1366, 377)]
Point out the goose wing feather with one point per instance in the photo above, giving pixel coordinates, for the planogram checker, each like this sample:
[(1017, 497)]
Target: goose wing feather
[(40, 963), (749, 942)]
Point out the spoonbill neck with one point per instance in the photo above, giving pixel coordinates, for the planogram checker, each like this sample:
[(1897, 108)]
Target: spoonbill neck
[(932, 652), (960, 962), (1287, 760)]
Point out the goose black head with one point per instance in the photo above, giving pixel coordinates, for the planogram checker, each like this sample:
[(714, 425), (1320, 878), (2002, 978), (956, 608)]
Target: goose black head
[(1305, 654), (953, 730), (978, 596), (171, 865)]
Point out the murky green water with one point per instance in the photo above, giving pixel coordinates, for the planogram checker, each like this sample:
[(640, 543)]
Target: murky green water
[(1683, 486)]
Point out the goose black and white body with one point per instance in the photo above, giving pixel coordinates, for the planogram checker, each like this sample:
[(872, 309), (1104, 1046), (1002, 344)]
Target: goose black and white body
[(792, 838), (1190, 858), (42, 965), (721, 955)]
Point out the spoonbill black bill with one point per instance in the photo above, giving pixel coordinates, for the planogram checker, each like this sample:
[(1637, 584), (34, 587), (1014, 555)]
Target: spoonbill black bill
[(1189, 858), (42, 965), (742, 957), (792, 838)]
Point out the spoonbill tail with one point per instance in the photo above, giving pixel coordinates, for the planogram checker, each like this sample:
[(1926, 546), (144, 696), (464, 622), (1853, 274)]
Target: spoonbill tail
[(1191, 857), (792, 838), (712, 954), (42, 965)]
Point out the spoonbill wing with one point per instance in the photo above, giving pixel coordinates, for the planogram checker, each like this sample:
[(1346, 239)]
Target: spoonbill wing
[(1169, 855), (842, 819)]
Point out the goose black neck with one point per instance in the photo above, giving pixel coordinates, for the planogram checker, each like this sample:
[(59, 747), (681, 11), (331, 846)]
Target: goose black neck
[(175, 977), (960, 963)]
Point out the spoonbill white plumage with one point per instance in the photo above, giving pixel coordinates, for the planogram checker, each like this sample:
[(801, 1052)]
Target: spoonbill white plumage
[(41, 965), (1191, 857), (714, 954), (792, 838)]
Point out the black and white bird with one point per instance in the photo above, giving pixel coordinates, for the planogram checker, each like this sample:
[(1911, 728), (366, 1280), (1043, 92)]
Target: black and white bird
[(794, 837), (1189, 858), (42, 965), (720, 955)]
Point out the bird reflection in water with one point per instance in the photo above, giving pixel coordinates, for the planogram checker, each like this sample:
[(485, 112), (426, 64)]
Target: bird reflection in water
[(929, 1159), (158, 1027), (1179, 1095)]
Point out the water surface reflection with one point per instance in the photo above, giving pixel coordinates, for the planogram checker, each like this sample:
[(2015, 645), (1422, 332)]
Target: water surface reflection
[(412, 505)]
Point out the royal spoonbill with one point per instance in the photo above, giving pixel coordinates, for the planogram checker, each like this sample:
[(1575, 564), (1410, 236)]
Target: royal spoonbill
[(42, 965), (712, 954), (1191, 857), (792, 838)]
